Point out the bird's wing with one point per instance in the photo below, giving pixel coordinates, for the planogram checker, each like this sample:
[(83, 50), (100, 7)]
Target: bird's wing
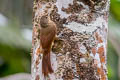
[(46, 40)]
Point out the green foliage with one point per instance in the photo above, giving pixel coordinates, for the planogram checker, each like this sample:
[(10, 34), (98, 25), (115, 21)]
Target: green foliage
[(110, 72), (15, 60), (112, 61), (14, 50), (115, 8)]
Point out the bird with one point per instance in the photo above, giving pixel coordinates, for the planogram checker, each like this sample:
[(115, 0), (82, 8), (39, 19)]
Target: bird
[(48, 32)]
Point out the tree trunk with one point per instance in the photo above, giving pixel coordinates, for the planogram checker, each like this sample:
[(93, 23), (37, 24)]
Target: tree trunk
[(80, 51)]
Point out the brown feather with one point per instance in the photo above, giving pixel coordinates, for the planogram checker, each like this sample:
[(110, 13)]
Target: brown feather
[(47, 36)]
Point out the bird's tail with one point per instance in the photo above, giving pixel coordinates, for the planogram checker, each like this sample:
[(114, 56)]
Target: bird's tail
[(46, 63)]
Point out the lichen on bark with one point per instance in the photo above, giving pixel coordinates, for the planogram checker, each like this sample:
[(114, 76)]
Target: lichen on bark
[(80, 51)]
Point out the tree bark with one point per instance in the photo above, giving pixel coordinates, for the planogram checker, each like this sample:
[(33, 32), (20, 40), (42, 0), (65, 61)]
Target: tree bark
[(80, 51)]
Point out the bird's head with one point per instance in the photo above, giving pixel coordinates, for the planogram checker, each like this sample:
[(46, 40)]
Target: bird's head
[(44, 21)]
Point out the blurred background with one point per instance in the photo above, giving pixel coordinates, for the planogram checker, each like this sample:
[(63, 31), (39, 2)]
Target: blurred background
[(16, 32)]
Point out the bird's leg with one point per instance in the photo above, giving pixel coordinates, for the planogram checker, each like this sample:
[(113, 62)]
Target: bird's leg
[(56, 38), (52, 44)]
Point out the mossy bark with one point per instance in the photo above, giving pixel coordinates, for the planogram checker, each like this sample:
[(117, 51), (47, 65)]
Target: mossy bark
[(80, 51)]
